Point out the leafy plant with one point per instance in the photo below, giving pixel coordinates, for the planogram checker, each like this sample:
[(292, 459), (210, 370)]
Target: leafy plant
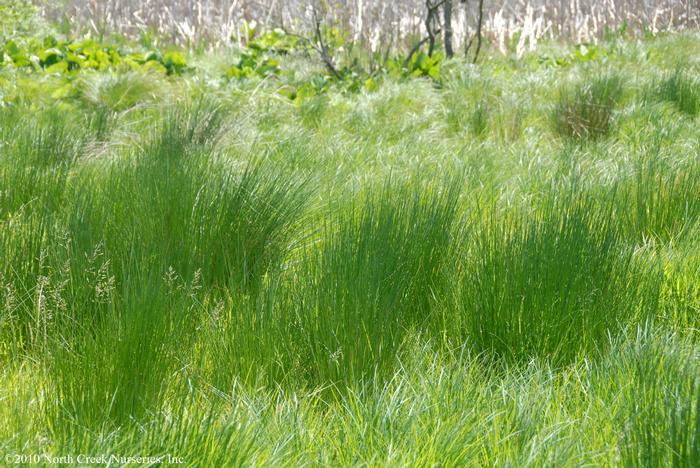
[(260, 58), (17, 17), (253, 62), (581, 54), (54, 56)]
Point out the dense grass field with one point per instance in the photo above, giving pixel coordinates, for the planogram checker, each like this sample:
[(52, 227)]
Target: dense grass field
[(499, 267)]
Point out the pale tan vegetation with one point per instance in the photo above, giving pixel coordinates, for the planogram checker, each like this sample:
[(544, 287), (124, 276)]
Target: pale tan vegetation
[(379, 23)]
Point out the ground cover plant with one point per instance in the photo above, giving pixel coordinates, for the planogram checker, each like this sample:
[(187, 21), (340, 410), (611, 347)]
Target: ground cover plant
[(244, 260)]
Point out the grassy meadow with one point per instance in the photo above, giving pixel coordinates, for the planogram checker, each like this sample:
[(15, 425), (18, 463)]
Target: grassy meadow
[(499, 267)]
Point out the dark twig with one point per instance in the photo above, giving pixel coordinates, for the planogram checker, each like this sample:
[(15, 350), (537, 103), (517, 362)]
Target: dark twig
[(323, 50), (319, 46), (430, 26), (447, 22), (414, 50), (467, 46), (477, 35), (478, 30)]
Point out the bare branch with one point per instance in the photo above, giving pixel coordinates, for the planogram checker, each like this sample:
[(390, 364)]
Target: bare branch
[(447, 21), (323, 50), (414, 50), (478, 30), (319, 46)]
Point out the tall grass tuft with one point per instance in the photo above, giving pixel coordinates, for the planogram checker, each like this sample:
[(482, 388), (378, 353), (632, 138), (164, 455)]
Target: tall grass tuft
[(113, 371), (36, 157), (175, 210), (662, 198), (180, 203), (373, 276), (586, 110), (680, 89), (681, 293), (551, 283), (479, 119), (656, 378)]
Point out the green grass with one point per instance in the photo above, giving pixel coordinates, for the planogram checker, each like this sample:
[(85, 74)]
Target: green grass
[(679, 88), (586, 109), (663, 197), (374, 276), (499, 268), (552, 283)]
